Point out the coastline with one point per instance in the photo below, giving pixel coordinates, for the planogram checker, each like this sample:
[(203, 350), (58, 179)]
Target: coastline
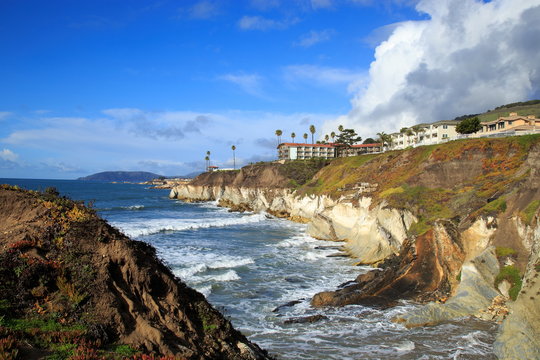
[(378, 231)]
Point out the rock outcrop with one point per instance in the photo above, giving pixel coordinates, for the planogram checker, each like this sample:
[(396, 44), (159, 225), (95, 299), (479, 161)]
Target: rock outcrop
[(518, 336), (435, 220), (59, 262)]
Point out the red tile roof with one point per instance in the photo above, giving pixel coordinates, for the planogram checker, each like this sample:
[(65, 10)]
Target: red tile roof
[(309, 145)]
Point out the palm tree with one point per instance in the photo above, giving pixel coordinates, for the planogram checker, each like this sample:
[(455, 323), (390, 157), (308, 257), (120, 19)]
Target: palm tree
[(385, 139), (293, 135), (207, 158), (326, 137), (278, 134), (332, 135), (312, 131), (305, 138), (340, 128), (233, 156)]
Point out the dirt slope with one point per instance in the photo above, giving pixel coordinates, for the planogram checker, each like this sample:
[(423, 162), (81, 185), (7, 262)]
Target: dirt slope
[(79, 282)]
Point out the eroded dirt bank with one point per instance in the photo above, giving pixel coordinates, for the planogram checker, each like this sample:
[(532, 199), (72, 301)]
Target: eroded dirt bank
[(71, 281)]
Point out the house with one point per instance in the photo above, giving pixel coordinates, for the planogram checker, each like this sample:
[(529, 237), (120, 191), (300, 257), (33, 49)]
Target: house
[(513, 124), (294, 151), (424, 134)]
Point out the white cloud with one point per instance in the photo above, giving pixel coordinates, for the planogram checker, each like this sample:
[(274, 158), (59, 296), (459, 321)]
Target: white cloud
[(262, 23), (315, 37), (173, 142), (468, 57), (250, 83), (8, 155), (325, 76), (204, 10)]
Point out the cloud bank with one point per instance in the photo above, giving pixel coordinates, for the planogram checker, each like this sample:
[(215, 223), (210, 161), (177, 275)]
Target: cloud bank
[(469, 56)]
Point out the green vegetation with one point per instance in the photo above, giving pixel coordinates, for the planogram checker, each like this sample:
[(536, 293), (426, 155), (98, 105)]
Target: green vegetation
[(520, 103), (511, 274), (394, 176), (469, 126), (494, 207), (528, 213), (503, 252), (44, 300), (301, 171)]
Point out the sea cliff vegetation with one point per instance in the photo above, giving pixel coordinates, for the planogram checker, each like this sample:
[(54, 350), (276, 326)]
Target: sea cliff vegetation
[(461, 178), (73, 287)]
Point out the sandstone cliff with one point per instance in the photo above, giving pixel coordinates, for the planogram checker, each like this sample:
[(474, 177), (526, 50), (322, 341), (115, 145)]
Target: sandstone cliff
[(445, 221), (71, 281)]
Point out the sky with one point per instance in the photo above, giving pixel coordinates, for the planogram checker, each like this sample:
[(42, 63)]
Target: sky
[(90, 86)]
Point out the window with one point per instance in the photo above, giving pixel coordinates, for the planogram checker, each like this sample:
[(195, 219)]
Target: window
[(444, 136), (445, 127)]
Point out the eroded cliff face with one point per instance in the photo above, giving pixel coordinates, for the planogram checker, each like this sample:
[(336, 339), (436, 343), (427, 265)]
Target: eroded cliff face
[(518, 336), (441, 222)]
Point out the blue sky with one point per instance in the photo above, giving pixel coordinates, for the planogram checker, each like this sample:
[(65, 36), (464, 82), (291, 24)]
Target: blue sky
[(88, 86)]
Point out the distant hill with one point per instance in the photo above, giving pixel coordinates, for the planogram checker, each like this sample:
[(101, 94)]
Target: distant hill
[(531, 107), (129, 176), (191, 175)]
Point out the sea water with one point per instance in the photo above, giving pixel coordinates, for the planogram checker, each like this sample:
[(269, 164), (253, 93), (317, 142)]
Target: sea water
[(262, 272)]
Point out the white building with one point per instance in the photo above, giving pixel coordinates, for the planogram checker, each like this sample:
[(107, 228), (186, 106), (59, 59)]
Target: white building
[(425, 134)]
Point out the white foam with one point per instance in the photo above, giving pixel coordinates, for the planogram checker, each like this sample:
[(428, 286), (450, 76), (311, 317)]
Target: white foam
[(188, 273), (230, 262), (405, 346), (230, 275), (300, 240), (312, 256), (134, 207), (155, 226), (205, 290)]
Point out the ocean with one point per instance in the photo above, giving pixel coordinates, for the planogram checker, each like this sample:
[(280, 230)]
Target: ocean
[(261, 273)]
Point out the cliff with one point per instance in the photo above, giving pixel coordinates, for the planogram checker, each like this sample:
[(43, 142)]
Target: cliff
[(71, 285), (452, 222)]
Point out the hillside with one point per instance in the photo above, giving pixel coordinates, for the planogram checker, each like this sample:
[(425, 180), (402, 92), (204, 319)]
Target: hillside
[(521, 108), (74, 287), (121, 176)]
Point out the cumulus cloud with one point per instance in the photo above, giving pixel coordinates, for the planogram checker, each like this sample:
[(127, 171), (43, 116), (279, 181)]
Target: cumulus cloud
[(262, 23), (315, 37), (469, 56)]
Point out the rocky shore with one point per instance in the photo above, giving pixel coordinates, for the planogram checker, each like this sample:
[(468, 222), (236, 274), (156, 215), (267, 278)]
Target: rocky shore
[(455, 226), (70, 282)]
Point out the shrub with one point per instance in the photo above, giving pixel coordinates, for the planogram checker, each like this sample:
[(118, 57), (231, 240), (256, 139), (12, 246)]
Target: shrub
[(502, 251), (511, 274), (528, 213)]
